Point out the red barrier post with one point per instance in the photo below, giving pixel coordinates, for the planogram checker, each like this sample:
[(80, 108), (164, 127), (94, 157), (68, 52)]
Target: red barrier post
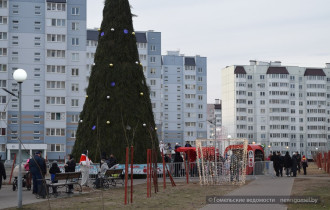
[(148, 165), (126, 173), (12, 169), (150, 171), (185, 168), (164, 172), (132, 153)]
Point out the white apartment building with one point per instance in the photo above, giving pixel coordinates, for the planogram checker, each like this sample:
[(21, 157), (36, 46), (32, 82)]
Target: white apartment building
[(185, 93), (284, 108), (214, 120)]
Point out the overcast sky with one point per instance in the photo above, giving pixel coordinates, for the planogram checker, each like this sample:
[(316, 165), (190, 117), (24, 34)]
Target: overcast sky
[(232, 32)]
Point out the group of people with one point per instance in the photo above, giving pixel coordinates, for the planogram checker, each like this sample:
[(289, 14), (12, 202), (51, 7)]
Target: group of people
[(290, 164)]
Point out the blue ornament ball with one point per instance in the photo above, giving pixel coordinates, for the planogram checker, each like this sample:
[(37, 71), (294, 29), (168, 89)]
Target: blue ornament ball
[(102, 34), (125, 31), (94, 127), (113, 84)]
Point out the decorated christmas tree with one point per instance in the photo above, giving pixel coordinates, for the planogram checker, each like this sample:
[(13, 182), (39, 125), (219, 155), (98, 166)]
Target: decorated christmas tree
[(117, 112)]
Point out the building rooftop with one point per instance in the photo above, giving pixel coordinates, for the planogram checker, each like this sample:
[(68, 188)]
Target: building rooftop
[(239, 70), (314, 72), (277, 70)]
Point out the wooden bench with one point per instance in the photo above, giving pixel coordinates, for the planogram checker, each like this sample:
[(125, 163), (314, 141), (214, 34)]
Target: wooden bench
[(112, 175), (71, 178)]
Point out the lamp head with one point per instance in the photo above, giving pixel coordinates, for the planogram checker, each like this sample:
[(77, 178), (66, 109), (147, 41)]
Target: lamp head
[(20, 75)]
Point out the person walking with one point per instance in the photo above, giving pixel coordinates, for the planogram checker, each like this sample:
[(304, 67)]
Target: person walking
[(276, 163), (294, 165), (304, 164), (84, 168), (53, 171), (281, 163), (2, 172), (298, 161), (70, 166), (37, 168), (287, 163)]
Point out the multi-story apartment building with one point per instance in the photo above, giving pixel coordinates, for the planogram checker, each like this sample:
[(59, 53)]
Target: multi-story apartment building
[(184, 89), (46, 38), (214, 120), (285, 108)]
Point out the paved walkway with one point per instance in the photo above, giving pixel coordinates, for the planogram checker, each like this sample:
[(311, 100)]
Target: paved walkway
[(261, 186)]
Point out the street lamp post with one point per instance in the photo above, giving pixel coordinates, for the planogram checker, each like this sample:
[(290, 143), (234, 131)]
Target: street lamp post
[(20, 75)]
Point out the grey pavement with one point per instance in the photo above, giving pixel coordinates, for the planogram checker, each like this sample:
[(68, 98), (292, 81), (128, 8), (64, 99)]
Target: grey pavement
[(261, 186)]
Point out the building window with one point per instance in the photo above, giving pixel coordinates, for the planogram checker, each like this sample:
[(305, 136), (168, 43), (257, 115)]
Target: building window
[(55, 100), (56, 7), (152, 47), (75, 56), (3, 3), (3, 19), (3, 131), (56, 53), (3, 51), (152, 82), (75, 72), (55, 69), (55, 132), (75, 87), (56, 147), (56, 115), (3, 67), (75, 11), (152, 71), (152, 59), (74, 102), (58, 22), (75, 26), (74, 118), (75, 41), (55, 38), (56, 84), (3, 35), (73, 134), (3, 100)]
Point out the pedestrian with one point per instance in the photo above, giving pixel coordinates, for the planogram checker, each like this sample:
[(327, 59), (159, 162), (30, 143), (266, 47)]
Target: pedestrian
[(287, 163), (187, 144), (294, 165), (169, 149), (162, 147), (37, 168), (298, 161), (112, 161), (178, 160), (281, 163), (53, 171), (84, 168), (70, 166), (276, 163), (28, 174), (2, 172), (304, 164)]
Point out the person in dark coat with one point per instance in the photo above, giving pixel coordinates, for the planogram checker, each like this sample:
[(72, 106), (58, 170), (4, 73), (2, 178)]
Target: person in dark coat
[(287, 163), (37, 168), (281, 163), (2, 172), (304, 164), (178, 162), (298, 162), (276, 163), (70, 166), (53, 171), (112, 161), (294, 165)]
